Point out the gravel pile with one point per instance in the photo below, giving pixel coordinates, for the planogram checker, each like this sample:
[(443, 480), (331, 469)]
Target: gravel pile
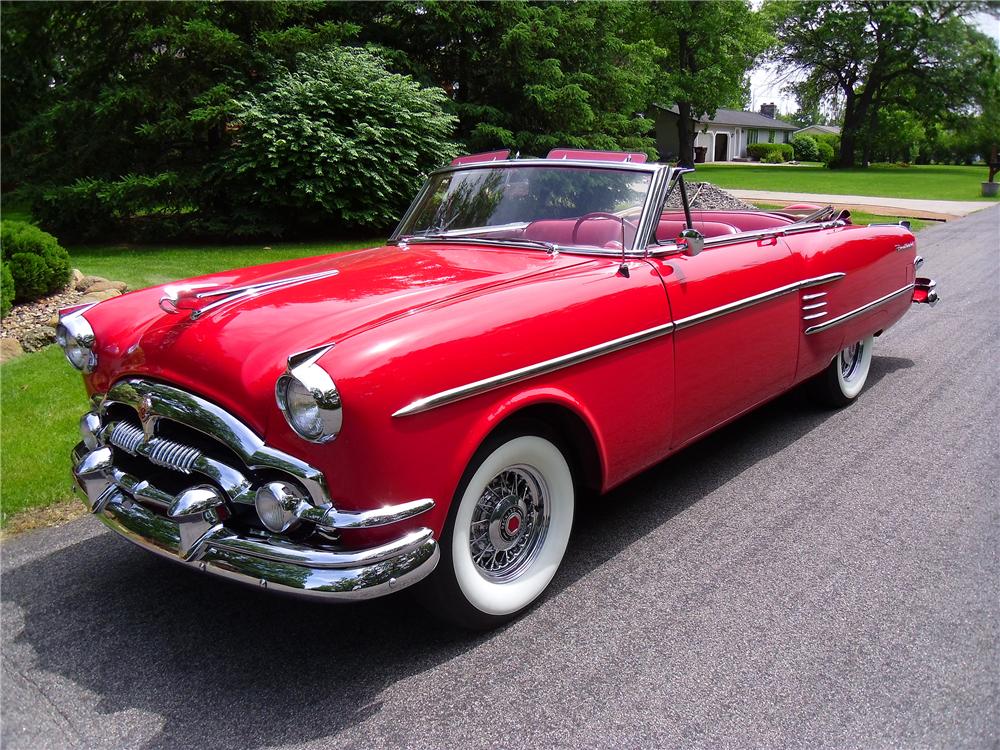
[(707, 197), (31, 322)]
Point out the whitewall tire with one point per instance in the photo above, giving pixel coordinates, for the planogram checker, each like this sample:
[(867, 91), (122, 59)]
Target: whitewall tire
[(845, 377), (507, 533)]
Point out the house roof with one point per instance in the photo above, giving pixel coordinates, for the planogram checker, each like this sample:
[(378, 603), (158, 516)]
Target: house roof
[(739, 118), (831, 129)]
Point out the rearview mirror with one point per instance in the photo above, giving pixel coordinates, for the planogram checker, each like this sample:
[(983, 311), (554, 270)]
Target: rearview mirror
[(692, 241)]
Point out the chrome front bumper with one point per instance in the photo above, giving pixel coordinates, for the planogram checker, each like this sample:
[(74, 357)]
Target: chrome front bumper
[(191, 528), (284, 567)]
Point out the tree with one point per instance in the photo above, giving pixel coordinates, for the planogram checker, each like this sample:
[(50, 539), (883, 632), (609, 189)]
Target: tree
[(524, 75), (125, 115), (708, 48), (877, 54)]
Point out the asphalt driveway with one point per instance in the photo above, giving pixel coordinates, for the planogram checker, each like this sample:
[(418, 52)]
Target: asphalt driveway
[(800, 579)]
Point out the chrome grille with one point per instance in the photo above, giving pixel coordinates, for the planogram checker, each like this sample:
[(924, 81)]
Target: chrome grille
[(127, 437), (161, 451)]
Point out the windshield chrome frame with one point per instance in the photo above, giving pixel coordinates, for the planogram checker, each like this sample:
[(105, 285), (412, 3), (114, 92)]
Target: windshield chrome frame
[(661, 177)]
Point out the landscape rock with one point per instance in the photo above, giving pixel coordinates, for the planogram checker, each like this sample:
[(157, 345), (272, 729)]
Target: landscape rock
[(705, 196), (75, 278), (103, 286), (88, 281), (100, 296), (9, 349), (38, 338), (54, 320)]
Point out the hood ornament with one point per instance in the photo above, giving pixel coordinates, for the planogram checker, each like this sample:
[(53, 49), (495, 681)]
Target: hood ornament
[(202, 298)]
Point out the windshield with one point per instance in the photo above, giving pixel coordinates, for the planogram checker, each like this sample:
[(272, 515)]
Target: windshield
[(561, 205)]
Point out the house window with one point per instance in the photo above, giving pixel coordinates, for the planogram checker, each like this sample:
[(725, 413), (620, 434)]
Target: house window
[(770, 136), (786, 137), (751, 137)]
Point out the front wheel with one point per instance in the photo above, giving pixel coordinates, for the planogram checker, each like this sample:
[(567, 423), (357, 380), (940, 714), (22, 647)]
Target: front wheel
[(841, 382), (507, 532)]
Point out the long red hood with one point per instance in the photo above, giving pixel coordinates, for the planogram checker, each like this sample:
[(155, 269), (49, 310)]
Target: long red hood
[(234, 354)]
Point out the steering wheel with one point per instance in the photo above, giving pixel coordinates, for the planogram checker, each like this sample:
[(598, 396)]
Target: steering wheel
[(600, 215)]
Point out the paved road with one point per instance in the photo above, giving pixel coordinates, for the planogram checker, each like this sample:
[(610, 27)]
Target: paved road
[(911, 207), (801, 579)]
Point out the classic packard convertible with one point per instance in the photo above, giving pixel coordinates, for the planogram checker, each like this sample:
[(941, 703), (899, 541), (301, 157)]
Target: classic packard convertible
[(346, 426)]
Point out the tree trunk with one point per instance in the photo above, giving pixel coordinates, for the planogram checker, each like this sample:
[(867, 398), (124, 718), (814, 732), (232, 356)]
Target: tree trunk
[(685, 135)]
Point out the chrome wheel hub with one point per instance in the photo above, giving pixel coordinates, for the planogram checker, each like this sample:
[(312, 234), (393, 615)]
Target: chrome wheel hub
[(850, 360), (509, 523)]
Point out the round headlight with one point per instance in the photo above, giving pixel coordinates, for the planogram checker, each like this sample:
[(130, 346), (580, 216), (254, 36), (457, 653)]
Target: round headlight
[(302, 410), (276, 503), (76, 338), (309, 399)]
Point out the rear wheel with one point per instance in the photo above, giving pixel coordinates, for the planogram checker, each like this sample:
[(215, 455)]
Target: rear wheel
[(844, 378), (507, 531)]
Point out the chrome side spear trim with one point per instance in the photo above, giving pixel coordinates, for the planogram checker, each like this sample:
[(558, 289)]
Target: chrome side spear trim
[(573, 358), (857, 311)]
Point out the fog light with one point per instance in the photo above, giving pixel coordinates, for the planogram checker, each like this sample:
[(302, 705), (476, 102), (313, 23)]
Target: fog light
[(276, 503)]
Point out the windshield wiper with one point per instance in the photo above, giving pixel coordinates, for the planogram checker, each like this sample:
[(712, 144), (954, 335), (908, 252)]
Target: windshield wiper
[(550, 247)]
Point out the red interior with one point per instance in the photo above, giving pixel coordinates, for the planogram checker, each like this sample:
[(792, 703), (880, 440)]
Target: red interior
[(606, 232)]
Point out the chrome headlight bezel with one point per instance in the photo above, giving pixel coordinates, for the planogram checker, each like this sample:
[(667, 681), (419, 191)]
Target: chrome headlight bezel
[(76, 338), (303, 372)]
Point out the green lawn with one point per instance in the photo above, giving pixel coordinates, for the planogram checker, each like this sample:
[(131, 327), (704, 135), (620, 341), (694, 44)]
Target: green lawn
[(142, 266), (928, 182), (41, 400)]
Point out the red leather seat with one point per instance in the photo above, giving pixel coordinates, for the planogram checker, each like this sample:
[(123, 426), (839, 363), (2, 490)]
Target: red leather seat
[(596, 232)]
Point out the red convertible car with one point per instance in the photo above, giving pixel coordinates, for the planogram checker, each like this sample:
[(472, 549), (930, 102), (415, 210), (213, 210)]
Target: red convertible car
[(345, 426)]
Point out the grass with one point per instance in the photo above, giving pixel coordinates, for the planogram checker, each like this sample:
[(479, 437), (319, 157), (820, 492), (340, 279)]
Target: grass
[(142, 266), (860, 217), (925, 182), (41, 400)]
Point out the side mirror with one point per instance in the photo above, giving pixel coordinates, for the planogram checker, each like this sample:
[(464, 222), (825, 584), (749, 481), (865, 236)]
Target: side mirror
[(692, 241)]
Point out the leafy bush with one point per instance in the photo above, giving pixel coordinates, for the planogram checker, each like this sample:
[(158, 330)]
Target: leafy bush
[(6, 290), (805, 148), (336, 140), (825, 152), (76, 212), (30, 276), (37, 263), (760, 150), (774, 157)]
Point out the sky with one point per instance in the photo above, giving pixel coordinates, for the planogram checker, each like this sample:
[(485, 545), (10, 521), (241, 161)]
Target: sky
[(766, 82)]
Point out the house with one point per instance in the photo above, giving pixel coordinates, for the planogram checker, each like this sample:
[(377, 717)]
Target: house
[(726, 135), (819, 130)]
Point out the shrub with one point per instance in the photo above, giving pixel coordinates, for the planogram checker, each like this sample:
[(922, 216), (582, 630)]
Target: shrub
[(6, 290), (774, 157), (76, 212), (30, 276), (805, 148), (825, 152), (337, 140), (760, 150), (37, 263)]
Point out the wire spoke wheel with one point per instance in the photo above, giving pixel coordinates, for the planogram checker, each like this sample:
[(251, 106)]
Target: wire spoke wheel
[(509, 523)]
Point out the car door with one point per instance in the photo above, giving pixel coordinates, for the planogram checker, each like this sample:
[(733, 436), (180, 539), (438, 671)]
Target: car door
[(736, 338)]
